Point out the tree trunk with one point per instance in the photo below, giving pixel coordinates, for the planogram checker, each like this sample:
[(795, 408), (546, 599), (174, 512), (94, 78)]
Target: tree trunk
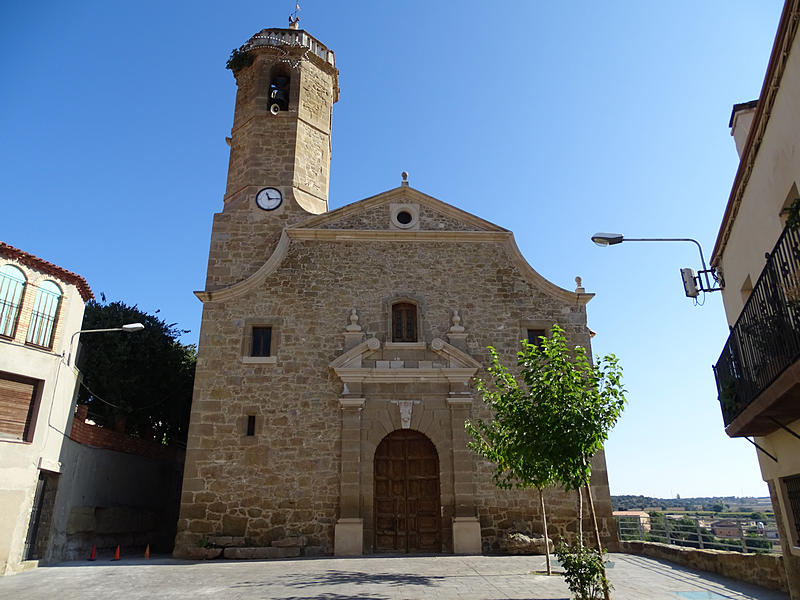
[(580, 517), (606, 592), (544, 528)]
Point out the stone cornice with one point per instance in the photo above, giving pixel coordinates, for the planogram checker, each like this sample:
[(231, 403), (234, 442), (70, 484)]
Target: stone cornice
[(348, 366), (453, 354), (374, 375), (352, 403), (498, 235), (244, 286), (395, 235)]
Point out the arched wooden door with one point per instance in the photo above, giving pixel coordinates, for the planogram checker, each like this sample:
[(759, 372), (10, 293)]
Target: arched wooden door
[(407, 501)]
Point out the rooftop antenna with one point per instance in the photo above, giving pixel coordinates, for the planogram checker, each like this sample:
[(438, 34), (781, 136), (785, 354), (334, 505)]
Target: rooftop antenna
[(294, 19)]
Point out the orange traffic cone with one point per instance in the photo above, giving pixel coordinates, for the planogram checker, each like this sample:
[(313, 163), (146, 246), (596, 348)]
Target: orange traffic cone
[(147, 551), (93, 555), (116, 554)]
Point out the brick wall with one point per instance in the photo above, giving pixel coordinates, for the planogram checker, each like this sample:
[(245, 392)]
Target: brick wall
[(104, 437)]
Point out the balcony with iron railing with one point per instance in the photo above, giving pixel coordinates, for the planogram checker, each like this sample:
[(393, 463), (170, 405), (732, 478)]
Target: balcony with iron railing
[(758, 372)]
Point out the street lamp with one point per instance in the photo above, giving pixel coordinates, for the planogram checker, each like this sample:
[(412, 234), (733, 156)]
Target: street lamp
[(128, 328), (705, 280)]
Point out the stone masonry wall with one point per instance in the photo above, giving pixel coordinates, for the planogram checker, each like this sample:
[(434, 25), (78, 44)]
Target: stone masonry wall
[(284, 481), (288, 151), (378, 217)]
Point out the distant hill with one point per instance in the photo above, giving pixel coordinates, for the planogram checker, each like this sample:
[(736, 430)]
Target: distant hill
[(711, 503)]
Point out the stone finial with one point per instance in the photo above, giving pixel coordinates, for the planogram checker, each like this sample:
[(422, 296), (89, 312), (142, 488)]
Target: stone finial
[(404, 175), (579, 289), (457, 326), (353, 326)]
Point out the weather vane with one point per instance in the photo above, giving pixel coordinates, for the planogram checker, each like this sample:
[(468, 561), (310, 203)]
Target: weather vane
[(294, 18)]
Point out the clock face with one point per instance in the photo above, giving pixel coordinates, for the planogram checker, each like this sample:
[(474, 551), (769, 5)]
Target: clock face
[(269, 198)]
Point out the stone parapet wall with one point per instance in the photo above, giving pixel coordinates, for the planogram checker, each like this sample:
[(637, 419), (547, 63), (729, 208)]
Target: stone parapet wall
[(766, 570)]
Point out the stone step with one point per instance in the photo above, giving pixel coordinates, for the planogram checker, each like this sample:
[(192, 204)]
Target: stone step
[(261, 552)]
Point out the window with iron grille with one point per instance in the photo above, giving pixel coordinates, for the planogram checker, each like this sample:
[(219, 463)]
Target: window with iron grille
[(43, 318), (262, 341), (792, 486), (12, 286), (404, 322)]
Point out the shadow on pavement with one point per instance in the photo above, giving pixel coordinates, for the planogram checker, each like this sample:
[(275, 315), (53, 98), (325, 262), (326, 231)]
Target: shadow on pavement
[(337, 577), (331, 597), (712, 584)]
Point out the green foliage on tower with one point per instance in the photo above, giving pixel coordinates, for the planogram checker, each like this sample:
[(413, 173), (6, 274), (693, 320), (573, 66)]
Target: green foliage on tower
[(240, 57)]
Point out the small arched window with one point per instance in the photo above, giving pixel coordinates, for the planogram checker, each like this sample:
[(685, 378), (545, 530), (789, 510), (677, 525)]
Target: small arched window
[(12, 286), (43, 318), (404, 322)]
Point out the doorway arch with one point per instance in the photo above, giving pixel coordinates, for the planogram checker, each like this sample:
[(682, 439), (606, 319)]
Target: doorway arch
[(407, 500)]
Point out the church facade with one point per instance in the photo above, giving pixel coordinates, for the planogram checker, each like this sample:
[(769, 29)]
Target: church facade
[(338, 348)]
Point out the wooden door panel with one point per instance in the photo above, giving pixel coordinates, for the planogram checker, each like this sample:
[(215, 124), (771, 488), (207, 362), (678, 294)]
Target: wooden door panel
[(407, 501)]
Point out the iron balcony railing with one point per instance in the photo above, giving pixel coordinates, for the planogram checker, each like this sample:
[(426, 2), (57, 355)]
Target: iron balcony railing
[(735, 535), (766, 337)]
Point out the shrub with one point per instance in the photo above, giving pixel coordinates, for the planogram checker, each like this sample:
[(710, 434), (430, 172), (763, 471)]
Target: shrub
[(583, 571)]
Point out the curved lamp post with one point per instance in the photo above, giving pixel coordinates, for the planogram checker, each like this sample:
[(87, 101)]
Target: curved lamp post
[(693, 284), (128, 328)]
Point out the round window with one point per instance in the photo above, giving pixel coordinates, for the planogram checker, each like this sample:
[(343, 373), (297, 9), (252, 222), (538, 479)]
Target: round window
[(404, 217)]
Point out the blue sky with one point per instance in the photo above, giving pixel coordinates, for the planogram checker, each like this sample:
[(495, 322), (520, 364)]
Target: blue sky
[(553, 120)]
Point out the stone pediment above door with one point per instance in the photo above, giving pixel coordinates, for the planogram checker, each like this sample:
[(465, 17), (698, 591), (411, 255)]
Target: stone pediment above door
[(415, 362)]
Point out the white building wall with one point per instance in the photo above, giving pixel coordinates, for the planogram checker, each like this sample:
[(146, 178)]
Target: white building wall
[(20, 462), (776, 170)]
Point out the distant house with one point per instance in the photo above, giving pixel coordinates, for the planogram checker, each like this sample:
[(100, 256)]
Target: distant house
[(41, 307), (639, 517), (726, 528)]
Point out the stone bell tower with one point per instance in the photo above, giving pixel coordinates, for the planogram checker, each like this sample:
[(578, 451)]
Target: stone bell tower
[(280, 144)]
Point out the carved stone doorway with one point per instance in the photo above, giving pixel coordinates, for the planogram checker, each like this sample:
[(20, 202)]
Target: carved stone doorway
[(407, 499)]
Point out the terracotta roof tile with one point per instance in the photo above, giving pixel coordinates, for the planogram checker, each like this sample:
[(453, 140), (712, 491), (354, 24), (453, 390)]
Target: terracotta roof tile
[(47, 267)]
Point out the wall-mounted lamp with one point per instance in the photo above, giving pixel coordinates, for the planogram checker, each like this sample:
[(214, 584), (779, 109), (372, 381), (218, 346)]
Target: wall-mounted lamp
[(706, 280)]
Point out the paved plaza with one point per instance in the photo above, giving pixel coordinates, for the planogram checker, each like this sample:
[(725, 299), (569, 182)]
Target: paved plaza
[(367, 578)]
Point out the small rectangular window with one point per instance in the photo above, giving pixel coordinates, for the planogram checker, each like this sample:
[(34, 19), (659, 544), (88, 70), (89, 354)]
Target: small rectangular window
[(262, 341), (792, 486), (251, 425), (404, 322), (535, 336)]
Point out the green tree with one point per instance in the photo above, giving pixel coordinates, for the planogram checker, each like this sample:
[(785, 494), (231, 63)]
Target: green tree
[(143, 378), (580, 402), (560, 416), (514, 439)]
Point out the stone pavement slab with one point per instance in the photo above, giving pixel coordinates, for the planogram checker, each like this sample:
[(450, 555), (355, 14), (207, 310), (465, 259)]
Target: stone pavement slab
[(367, 578)]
